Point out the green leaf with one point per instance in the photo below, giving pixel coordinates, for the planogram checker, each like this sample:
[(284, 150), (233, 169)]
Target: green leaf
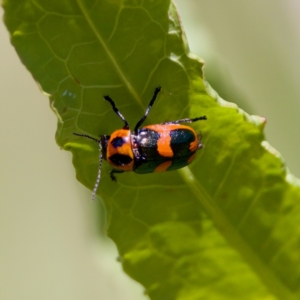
[(224, 228)]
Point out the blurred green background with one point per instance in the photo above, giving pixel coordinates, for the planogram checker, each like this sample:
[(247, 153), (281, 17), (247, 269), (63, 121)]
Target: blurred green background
[(49, 229)]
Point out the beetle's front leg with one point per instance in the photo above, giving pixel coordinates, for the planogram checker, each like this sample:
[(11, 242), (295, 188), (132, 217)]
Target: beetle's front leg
[(112, 176)]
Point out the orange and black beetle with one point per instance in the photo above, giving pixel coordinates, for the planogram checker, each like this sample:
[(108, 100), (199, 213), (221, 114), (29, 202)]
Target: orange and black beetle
[(153, 148)]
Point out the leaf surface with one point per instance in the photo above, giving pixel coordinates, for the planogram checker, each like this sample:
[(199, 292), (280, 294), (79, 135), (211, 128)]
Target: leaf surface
[(226, 227)]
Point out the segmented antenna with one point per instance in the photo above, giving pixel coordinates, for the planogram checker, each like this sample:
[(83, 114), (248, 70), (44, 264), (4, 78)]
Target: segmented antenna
[(100, 162), (86, 136), (99, 174)]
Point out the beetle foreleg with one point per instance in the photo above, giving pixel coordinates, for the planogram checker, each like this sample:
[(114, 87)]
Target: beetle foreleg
[(112, 172)]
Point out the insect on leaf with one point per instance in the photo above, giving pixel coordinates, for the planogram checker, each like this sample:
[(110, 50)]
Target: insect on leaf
[(227, 226)]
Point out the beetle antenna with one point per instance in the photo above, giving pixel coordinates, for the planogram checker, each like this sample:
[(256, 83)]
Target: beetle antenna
[(99, 174), (100, 162), (116, 110), (141, 121), (86, 136)]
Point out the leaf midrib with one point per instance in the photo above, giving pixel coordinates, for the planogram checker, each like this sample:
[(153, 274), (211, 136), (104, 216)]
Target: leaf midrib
[(109, 54)]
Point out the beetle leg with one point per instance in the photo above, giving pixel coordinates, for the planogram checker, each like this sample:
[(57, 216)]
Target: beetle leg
[(112, 172), (186, 120), (141, 121), (116, 110), (200, 145)]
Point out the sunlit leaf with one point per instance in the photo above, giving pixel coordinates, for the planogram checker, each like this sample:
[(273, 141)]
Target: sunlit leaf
[(227, 227)]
